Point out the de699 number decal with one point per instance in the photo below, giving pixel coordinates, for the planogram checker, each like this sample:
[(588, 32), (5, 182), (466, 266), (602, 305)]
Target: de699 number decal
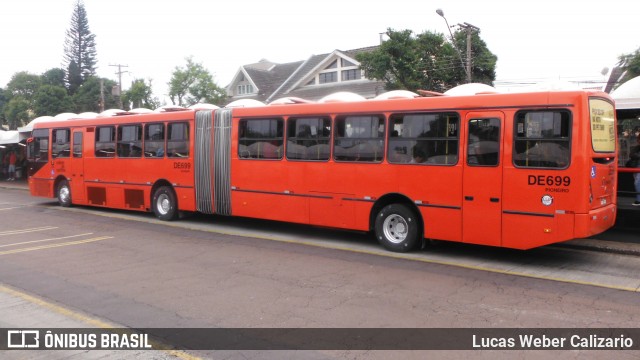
[(551, 183)]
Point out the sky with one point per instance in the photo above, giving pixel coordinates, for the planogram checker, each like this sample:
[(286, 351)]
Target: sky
[(535, 41)]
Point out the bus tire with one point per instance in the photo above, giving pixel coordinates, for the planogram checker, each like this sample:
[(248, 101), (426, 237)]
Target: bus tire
[(63, 192), (397, 228), (164, 203)]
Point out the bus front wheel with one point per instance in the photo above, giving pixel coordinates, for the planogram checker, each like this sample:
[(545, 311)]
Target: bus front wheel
[(164, 203), (397, 228), (64, 193)]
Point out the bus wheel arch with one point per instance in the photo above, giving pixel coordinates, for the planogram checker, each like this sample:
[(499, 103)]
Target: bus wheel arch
[(62, 191), (397, 223), (164, 201)]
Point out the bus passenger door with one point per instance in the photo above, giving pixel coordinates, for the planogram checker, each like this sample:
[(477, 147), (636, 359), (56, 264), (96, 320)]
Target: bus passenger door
[(482, 179), (77, 167)]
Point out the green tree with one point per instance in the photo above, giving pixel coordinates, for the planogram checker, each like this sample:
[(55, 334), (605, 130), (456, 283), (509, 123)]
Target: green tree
[(630, 66), (17, 112), (193, 84), (24, 84), (140, 95), (87, 97), (54, 77), (483, 61), (80, 55), (425, 61), (51, 100), (19, 97), (3, 102)]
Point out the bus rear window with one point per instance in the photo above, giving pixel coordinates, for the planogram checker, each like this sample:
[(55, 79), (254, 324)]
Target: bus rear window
[(603, 133), (542, 139)]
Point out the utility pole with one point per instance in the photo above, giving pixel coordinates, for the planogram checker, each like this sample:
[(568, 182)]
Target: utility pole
[(119, 91), (101, 95), (453, 43), (469, 29)]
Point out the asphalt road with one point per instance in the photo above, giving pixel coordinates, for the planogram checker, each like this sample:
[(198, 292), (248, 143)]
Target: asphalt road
[(88, 267)]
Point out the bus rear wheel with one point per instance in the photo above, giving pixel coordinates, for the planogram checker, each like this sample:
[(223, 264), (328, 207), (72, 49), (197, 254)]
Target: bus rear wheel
[(397, 228), (64, 193), (164, 204)]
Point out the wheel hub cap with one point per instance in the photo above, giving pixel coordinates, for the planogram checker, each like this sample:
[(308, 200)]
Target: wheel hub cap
[(395, 228)]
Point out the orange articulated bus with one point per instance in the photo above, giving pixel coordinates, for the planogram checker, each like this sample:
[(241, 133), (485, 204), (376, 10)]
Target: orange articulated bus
[(511, 170)]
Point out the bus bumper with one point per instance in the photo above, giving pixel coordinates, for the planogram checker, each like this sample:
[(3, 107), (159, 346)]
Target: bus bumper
[(596, 221)]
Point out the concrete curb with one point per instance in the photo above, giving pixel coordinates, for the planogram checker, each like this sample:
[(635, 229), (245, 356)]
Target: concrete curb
[(614, 247), (14, 186)]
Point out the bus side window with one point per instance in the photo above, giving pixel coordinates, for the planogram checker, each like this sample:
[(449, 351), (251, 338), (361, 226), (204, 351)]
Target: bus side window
[(261, 139), (423, 138), (77, 144), (105, 141), (308, 138), (483, 145), (40, 149), (129, 140), (178, 140), (154, 141), (359, 138), (61, 143), (542, 139)]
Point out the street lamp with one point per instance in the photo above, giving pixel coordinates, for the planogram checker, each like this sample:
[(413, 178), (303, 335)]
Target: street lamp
[(469, 28)]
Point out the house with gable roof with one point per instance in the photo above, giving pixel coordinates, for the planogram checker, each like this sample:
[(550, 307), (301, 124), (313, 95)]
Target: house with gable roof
[(311, 79)]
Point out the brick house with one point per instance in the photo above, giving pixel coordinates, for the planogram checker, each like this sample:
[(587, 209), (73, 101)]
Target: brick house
[(310, 79)]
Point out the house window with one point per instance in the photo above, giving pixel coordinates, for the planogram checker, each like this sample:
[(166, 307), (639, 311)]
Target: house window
[(245, 89), (353, 74), (327, 77), (347, 63), (337, 71)]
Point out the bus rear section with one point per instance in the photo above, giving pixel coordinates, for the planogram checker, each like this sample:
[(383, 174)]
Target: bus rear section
[(561, 183), (602, 168)]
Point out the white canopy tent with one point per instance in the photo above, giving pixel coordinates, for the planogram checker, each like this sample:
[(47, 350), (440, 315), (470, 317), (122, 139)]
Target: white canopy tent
[(9, 137), (627, 95)]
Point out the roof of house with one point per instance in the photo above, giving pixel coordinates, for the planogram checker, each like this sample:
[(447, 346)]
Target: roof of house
[(273, 81)]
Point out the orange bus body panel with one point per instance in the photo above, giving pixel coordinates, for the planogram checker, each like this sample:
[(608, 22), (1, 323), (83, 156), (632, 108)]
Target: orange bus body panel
[(501, 204)]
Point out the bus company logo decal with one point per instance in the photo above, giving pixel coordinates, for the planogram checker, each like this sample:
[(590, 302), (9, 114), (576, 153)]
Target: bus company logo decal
[(547, 200)]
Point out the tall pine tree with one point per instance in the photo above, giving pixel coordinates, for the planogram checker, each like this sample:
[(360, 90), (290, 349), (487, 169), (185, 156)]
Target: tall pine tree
[(80, 56)]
